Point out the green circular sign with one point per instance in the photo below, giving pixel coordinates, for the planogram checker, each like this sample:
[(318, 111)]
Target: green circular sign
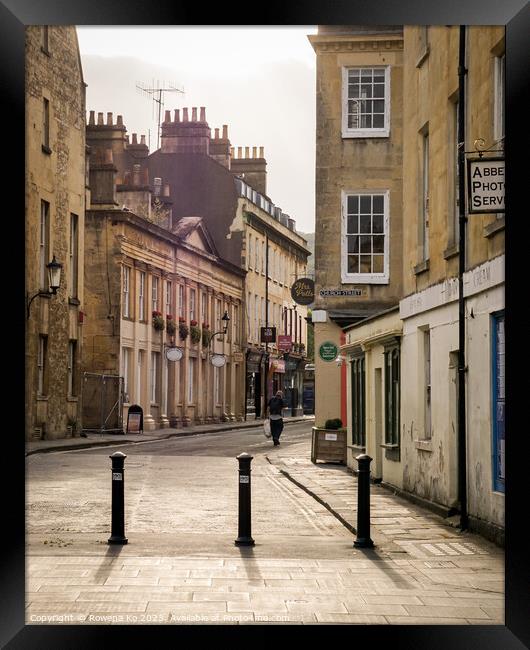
[(328, 351)]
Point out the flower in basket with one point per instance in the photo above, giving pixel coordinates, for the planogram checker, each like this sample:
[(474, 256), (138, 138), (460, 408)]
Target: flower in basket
[(182, 319), (183, 330), (195, 332), (171, 327), (158, 321)]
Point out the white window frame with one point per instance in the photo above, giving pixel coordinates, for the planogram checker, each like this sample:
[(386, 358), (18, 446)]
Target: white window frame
[(499, 126), (125, 371), (364, 132), (181, 301), (365, 278), (126, 290), (41, 365), (71, 367), (154, 293), (191, 373), (169, 298), (192, 304), (74, 254), (44, 245), (154, 377), (141, 293)]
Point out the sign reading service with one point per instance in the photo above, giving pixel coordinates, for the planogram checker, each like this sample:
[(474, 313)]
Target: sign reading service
[(485, 185)]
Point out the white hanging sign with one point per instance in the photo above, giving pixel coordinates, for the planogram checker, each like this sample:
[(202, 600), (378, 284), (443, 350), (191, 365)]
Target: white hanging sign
[(485, 185)]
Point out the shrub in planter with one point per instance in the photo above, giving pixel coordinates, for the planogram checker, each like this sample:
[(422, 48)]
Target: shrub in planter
[(335, 423), (171, 326), (158, 321), (195, 333), (183, 330)]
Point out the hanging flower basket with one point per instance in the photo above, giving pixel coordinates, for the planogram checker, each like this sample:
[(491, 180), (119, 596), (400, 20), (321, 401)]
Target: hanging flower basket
[(206, 336), (158, 321), (195, 333), (183, 331), (171, 326)]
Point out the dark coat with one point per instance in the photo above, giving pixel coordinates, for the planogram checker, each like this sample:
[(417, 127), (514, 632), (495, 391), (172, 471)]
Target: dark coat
[(276, 405)]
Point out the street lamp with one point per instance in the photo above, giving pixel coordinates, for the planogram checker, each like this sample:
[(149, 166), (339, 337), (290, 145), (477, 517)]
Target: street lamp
[(219, 360), (54, 282)]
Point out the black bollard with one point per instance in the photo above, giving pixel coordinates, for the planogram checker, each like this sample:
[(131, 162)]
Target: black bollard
[(244, 535), (363, 503), (118, 514)]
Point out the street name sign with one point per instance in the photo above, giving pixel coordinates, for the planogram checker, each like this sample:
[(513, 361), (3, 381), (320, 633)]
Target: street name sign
[(485, 185)]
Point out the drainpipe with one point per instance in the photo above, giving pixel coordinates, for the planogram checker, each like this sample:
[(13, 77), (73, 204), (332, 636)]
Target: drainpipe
[(462, 452)]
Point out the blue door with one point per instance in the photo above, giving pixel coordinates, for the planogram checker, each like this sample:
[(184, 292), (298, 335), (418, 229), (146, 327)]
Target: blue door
[(498, 401)]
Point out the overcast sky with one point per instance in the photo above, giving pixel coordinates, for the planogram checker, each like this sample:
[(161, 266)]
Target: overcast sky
[(258, 81)]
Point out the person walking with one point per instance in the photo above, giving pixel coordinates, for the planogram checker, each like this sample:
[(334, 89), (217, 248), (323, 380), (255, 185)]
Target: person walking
[(276, 406)]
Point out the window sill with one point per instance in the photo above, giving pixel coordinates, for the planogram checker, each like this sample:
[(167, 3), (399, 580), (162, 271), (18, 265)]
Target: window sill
[(494, 227), (379, 133), (368, 279), (451, 251), (421, 267), (72, 398), (74, 301), (46, 149), (423, 445), (42, 398), (388, 446)]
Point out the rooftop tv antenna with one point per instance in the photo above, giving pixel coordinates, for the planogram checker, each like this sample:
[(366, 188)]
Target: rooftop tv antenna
[(156, 90)]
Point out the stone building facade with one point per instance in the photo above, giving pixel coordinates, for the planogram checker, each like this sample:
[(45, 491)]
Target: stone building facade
[(55, 211), (150, 268), (429, 308), (358, 228)]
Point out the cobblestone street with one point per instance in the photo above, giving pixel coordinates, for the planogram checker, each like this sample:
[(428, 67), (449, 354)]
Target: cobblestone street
[(181, 564)]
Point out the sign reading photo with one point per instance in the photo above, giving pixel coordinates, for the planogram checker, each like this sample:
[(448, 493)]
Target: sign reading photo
[(485, 185)]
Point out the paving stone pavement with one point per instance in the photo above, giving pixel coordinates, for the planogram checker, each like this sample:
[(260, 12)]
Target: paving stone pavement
[(183, 568)]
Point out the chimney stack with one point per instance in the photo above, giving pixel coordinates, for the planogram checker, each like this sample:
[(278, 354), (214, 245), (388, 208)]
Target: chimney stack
[(167, 117), (225, 132), (91, 119), (102, 136), (254, 169), (186, 136), (109, 119), (216, 134)]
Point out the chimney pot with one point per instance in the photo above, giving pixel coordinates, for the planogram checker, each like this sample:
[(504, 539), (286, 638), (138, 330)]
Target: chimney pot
[(225, 132), (216, 134), (119, 120), (177, 115), (167, 118), (185, 115), (100, 119), (194, 114), (91, 119), (109, 119), (142, 139), (247, 155), (135, 138), (261, 152), (203, 114), (240, 152), (254, 154)]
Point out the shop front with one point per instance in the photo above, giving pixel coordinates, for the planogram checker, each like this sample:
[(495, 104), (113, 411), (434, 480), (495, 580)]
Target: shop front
[(254, 384)]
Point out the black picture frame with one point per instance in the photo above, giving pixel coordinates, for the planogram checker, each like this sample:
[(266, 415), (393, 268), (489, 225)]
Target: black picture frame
[(515, 14)]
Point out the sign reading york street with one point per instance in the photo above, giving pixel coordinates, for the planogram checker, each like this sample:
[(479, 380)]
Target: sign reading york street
[(303, 291), (485, 185)]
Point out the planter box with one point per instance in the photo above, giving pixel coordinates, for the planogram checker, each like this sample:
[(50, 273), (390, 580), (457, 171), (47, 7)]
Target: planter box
[(328, 445)]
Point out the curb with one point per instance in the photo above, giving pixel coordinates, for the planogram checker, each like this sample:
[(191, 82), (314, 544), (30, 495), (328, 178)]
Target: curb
[(326, 505), (178, 434)]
